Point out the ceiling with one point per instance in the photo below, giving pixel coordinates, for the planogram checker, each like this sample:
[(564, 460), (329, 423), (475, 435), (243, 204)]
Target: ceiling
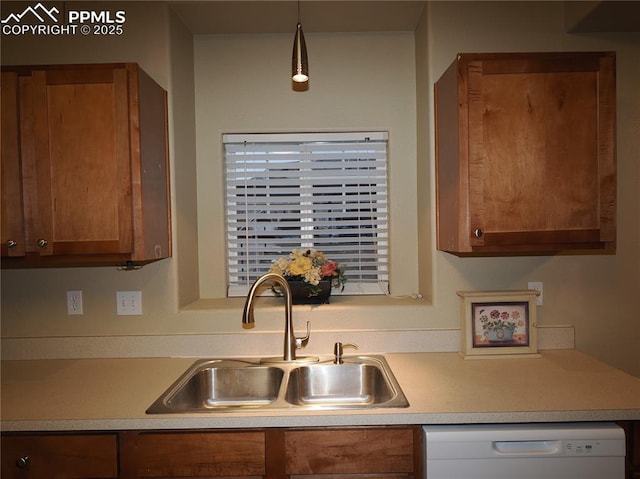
[(266, 16), (280, 16), (603, 16)]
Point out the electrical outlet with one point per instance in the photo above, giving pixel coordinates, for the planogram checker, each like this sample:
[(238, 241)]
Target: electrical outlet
[(537, 285), (74, 302), (129, 303)]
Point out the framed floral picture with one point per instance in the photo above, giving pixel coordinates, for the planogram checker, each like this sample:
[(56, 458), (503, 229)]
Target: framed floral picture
[(498, 323)]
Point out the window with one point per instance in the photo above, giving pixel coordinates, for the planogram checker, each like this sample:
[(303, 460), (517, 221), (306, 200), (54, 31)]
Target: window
[(326, 191)]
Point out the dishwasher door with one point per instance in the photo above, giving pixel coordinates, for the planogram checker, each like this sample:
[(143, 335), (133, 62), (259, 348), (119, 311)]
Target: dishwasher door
[(525, 451)]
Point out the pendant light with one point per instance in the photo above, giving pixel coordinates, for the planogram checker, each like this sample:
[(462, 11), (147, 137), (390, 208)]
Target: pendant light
[(299, 61)]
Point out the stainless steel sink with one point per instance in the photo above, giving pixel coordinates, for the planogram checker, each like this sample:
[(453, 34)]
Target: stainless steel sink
[(338, 385), (217, 385), (221, 384)]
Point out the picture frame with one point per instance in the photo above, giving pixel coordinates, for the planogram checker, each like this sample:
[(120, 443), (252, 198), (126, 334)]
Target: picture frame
[(498, 324)]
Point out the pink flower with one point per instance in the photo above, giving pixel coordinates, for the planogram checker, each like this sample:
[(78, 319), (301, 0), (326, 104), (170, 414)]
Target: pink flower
[(328, 269)]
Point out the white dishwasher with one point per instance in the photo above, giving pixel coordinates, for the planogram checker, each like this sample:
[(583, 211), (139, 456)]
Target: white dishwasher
[(525, 451)]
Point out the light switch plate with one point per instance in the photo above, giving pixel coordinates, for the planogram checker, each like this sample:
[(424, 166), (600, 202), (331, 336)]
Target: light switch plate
[(129, 303)]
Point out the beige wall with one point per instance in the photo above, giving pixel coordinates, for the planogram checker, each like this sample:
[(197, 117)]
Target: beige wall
[(598, 294), (358, 81), (33, 302)]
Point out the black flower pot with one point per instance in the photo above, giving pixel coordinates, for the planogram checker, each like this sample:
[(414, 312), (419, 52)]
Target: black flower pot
[(305, 293)]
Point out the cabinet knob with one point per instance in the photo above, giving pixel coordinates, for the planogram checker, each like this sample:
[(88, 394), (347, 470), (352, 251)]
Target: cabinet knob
[(22, 462), (12, 244), (42, 243), (478, 233)]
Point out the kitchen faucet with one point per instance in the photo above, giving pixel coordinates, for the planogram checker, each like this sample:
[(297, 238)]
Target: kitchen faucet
[(291, 343)]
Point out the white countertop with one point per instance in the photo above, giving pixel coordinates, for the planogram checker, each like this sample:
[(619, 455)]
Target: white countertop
[(442, 388)]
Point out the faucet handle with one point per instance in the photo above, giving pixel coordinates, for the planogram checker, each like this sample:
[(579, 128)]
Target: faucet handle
[(338, 350), (302, 342)]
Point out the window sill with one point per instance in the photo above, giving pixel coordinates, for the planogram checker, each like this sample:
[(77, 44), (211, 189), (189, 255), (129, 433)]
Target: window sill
[(337, 302)]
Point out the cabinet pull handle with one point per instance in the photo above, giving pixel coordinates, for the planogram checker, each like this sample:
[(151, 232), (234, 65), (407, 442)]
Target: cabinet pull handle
[(12, 244), (23, 462), (42, 243), (478, 232)]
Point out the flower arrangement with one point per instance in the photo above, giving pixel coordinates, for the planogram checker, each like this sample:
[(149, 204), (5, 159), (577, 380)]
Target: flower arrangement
[(310, 266)]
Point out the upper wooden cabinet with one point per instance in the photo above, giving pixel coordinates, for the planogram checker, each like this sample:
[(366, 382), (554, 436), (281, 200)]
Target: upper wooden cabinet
[(525, 154), (12, 211), (84, 166)]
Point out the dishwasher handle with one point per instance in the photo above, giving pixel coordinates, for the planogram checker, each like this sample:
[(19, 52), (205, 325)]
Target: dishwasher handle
[(527, 448)]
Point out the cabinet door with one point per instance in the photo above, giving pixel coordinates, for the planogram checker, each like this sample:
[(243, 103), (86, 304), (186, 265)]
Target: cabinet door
[(78, 180), (632, 459), (13, 234), (533, 167), (59, 457), (375, 452), (192, 454)]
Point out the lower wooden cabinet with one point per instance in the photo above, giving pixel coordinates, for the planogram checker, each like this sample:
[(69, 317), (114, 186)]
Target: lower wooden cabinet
[(351, 453), (389, 452), (192, 454), (60, 456), (366, 452), (632, 433)]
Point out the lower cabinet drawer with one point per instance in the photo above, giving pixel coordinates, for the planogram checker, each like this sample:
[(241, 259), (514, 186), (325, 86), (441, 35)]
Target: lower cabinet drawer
[(350, 451), (59, 456), (191, 454)]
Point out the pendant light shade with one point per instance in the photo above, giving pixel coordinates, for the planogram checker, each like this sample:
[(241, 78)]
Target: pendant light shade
[(299, 62)]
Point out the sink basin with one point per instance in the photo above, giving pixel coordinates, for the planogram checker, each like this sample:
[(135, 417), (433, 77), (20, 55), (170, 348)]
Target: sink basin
[(338, 385), (219, 385)]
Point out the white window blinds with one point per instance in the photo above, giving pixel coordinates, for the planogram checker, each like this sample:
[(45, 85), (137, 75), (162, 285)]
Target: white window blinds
[(326, 191)]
